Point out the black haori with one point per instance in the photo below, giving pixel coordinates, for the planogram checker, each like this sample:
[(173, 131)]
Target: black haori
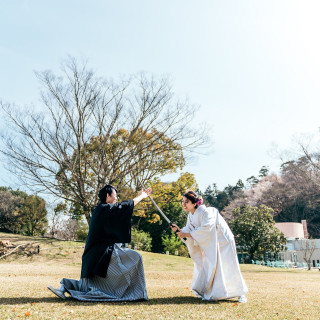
[(110, 223)]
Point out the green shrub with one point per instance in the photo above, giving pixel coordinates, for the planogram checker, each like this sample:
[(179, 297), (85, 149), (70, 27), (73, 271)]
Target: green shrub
[(82, 231), (140, 240), (173, 243)]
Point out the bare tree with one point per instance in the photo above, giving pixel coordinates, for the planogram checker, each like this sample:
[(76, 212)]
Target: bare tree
[(91, 131), (308, 246), (262, 192), (55, 217), (304, 160), (228, 211), (67, 230)]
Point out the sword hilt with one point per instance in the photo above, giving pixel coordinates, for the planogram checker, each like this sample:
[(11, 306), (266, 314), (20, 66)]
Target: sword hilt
[(171, 224)]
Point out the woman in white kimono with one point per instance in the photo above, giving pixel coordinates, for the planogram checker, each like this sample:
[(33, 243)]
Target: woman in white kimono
[(211, 246)]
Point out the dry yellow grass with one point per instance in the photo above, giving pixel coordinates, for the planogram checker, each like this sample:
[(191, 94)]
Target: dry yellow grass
[(273, 293)]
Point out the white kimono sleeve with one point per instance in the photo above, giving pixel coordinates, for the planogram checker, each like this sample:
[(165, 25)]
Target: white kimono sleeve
[(203, 234), (187, 229)]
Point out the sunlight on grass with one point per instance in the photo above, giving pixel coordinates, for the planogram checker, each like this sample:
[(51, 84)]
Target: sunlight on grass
[(273, 293)]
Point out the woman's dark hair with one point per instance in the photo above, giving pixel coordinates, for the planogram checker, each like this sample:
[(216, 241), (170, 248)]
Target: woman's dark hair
[(107, 189), (192, 196)]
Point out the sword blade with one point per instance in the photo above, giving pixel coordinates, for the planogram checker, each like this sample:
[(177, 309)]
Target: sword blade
[(163, 215)]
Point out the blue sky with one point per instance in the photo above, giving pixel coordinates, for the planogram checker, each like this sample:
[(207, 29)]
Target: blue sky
[(252, 66)]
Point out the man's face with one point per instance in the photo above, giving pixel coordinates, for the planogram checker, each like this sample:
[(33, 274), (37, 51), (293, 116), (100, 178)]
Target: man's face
[(113, 198)]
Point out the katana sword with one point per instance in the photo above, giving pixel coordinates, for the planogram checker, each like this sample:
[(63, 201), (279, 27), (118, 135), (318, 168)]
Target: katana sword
[(163, 215)]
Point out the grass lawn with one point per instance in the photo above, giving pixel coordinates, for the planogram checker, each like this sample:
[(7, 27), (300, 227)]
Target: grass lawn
[(273, 293)]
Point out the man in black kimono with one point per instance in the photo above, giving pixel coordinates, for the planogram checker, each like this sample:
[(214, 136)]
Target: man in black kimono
[(109, 272)]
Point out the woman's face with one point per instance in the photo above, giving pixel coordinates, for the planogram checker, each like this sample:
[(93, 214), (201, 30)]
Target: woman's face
[(113, 198), (188, 205)]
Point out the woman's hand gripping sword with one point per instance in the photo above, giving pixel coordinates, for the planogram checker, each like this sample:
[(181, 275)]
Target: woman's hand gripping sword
[(163, 215)]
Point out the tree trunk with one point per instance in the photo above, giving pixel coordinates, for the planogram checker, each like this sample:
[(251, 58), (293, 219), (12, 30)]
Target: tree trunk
[(87, 214)]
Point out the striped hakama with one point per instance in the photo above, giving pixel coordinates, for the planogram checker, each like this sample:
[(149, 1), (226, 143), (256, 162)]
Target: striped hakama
[(125, 280)]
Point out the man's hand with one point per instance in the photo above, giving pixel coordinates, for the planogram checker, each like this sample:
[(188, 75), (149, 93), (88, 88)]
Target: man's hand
[(142, 195), (145, 193)]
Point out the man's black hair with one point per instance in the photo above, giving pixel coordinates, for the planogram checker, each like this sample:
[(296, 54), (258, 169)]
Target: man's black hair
[(107, 189)]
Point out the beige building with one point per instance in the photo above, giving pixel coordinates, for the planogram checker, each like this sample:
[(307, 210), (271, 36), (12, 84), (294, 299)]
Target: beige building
[(299, 248), (294, 229)]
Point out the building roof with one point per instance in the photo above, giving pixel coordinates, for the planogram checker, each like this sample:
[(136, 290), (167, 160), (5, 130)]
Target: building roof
[(291, 229)]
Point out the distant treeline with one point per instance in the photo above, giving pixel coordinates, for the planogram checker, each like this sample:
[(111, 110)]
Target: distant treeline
[(294, 194), (22, 213)]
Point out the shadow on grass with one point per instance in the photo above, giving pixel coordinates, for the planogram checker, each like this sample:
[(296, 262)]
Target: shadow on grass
[(16, 238), (70, 301)]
